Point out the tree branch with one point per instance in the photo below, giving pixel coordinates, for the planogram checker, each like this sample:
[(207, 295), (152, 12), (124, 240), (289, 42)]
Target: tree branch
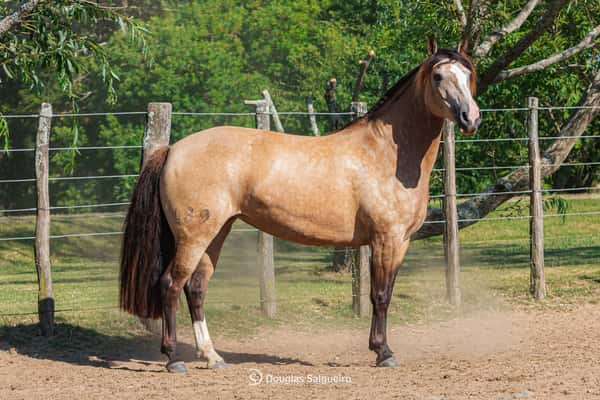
[(586, 43), (364, 65), (17, 17), (486, 45), (518, 180), (511, 54), (462, 17), (473, 26)]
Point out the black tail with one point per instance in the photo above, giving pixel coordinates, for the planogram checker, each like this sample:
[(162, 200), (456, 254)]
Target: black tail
[(148, 244)]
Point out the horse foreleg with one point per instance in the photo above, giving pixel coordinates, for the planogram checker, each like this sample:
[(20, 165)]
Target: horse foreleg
[(177, 274), (388, 254)]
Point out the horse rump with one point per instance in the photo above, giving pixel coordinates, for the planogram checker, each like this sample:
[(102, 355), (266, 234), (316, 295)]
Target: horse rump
[(148, 245)]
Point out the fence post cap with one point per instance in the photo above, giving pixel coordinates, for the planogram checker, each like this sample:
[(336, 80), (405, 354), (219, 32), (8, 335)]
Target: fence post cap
[(532, 102), (46, 110)]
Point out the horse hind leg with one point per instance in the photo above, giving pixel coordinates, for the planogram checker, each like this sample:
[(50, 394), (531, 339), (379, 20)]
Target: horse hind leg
[(186, 259), (195, 291)]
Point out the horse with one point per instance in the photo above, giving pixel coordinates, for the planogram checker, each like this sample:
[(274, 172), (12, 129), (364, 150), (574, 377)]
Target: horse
[(377, 169)]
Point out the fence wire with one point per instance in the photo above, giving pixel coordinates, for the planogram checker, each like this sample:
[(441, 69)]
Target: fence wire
[(293, 113)]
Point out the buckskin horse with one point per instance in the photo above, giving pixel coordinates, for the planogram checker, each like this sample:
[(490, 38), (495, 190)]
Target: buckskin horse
[(377, 168)]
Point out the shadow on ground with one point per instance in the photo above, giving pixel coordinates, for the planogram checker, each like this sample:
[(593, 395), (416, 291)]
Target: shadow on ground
[(82, 346)]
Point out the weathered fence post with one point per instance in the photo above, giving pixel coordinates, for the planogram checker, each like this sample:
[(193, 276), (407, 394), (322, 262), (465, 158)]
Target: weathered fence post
[(537, 282), (311, 116), (273, 111), (42, 224), (331, 100), (156, 135), (158, 129), (451, 243), (361, 270), (266, 264)]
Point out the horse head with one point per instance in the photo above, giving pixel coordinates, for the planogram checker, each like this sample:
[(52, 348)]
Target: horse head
[(447, 80)]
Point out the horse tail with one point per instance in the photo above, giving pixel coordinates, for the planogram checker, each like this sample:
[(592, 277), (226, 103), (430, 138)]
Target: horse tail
[(148, 244)]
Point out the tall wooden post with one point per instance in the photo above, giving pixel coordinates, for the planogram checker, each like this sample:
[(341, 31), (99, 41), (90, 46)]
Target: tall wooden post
[(361, 268), (266, 264), (311, 116), (42, 224), (157, 134), (451, 243), (158, 129), (273, 111), (537, 282)]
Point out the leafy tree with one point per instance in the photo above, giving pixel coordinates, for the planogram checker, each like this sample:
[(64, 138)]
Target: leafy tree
[(46, 48), (211, 55)]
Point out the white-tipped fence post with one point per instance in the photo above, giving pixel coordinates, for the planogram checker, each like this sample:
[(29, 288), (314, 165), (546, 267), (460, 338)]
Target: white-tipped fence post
[(157, 134), (42, 224), (361, 270), (265, 259), (311, 116), (451, 243), (537, 282)]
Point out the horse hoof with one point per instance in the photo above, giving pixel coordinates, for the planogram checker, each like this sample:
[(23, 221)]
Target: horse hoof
[(220, 364), (177, 367), (389, 362)]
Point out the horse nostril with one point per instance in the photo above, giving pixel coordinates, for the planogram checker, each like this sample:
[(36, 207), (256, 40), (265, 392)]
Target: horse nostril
[(464, 117)]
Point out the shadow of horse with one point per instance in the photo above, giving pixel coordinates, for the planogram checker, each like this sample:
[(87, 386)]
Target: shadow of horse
[(87, 347)]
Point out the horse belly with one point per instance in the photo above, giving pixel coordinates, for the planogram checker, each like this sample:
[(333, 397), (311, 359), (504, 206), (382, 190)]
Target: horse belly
[(304, 216)]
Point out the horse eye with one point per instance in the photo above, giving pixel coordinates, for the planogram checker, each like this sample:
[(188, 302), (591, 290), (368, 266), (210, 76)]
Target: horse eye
[(437, 77)]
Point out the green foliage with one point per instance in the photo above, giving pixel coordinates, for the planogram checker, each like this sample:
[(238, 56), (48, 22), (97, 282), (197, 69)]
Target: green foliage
[(210, 55), (51, 46), (520, 207)]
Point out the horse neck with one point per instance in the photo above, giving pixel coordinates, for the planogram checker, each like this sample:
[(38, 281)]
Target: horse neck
[(412, 136)]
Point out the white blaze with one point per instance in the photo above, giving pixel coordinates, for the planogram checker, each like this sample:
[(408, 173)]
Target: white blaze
[(463, 77)]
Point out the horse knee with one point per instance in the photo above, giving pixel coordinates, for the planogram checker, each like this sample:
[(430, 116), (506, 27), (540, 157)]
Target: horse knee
[(165, 283), (380, 299)]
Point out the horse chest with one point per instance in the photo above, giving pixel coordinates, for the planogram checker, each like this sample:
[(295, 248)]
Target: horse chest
[(391, 206)]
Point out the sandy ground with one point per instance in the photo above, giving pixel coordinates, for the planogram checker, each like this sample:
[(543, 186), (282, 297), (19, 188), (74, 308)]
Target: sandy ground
[(537, 355)]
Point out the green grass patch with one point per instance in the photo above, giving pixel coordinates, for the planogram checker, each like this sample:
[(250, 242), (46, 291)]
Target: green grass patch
[(495, 275)]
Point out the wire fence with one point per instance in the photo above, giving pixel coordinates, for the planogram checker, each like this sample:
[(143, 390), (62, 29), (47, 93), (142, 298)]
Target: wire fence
[(297, 113), (116, 204)]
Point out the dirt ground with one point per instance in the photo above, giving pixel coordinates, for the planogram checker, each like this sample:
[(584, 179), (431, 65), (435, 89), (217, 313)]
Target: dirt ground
[(538, 355)]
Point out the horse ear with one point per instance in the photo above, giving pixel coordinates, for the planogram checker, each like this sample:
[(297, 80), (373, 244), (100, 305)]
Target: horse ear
[(463, 46), (431, 45)]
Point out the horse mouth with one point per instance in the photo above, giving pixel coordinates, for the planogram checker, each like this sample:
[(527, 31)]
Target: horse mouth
[(468, 131)]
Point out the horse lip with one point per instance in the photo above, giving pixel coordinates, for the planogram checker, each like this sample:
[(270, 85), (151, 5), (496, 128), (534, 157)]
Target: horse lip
[(467, 130)]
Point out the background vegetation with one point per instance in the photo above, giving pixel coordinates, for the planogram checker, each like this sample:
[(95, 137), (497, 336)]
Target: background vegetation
[(495, 277), (210, 55)]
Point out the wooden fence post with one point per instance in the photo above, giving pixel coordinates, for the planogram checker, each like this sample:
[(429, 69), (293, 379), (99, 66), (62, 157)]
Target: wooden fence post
[(311, 116), (158, 129), (361, 269), (273, 111), (266, 264), (42, 224), (451, 243), (537, 282), (156, 135)]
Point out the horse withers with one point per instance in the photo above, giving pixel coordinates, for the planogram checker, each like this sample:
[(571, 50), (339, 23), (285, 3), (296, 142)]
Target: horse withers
[(377, 168)]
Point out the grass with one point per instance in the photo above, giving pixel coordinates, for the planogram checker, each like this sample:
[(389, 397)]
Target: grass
[(495, 276)]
